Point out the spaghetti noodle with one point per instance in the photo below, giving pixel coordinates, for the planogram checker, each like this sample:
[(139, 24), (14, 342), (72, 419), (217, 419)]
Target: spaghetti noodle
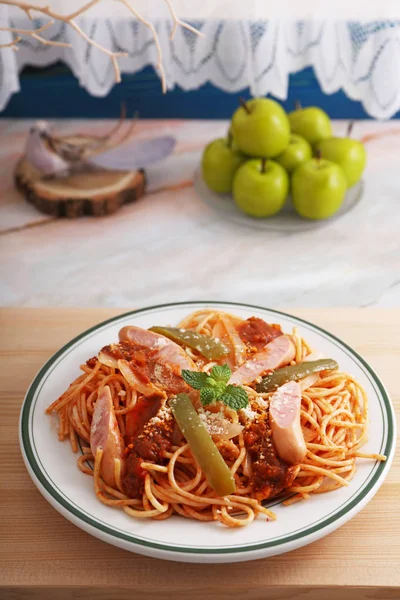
[(334, 420)]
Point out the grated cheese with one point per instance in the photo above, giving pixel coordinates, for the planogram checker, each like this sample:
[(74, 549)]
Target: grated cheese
[(163, 415), (261, 403), (248, 413), (214, 422)]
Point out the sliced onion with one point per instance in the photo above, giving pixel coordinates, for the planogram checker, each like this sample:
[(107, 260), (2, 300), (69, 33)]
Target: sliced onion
[(231, 430), (247, 466), (107, 360), (218, 426), (239, 348), (147, 389), (308, 381), (219, 331)]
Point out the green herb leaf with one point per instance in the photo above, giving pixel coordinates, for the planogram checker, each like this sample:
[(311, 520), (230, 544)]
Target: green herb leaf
[(219, 389), (195, 379), (207, 395), (235, 397), (214, 387), (221, 373)]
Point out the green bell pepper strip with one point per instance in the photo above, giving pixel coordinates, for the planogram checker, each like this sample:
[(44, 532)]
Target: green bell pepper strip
[(294, 373), (202, 446), (208, 346)]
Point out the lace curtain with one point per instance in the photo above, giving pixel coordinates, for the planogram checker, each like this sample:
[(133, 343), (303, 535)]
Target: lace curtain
[(360, 57)]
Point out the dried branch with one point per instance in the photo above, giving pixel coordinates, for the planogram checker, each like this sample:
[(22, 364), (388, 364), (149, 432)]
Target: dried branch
[(177, 22), (159, 64), (69, 19), (27, 31), (13, 45), (31, 32), (45, 42)]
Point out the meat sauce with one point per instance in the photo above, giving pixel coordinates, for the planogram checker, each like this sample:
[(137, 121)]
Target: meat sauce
[(257, 333), (270, 474), (91, 362), (147, 439), (141, 413)]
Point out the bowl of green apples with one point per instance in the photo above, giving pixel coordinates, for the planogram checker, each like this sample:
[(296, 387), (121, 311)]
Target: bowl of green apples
[(281, 171)]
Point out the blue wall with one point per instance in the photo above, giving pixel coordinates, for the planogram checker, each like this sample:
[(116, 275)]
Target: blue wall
[(54, 92)]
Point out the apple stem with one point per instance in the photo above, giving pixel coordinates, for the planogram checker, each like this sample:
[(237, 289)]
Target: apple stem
[(350, 128), (297, 104), (263, 164), (318, 156), (243, 104)]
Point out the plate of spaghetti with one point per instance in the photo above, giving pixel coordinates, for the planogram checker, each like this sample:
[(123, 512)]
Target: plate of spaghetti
[(207, 432)]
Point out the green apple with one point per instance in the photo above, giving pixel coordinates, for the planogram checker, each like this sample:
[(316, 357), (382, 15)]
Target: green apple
[(219, 165), (261, 128), (298, 152), (260, 187), (312, 123), (348, 153), (318, 188)]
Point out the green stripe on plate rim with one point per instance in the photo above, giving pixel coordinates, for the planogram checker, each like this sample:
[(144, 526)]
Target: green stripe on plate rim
[(367, 485)]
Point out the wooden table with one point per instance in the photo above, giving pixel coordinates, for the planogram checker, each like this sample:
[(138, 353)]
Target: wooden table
[(43, 556)]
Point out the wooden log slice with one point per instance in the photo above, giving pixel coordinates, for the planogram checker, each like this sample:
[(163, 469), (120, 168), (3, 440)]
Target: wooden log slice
[(94, 193)]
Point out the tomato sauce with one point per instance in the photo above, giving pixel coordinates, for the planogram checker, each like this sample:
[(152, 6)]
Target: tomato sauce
[(271, 474), (141, 413), (257, 333), (148, 437)]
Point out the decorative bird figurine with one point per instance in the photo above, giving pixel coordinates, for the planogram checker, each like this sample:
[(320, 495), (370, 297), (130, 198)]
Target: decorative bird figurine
[(77, 175), (60, 157)]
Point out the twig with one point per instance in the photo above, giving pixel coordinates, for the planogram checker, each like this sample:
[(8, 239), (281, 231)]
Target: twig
[(179, 22), (112, 55), (45, 42), (159, 64), (114, 130), (69, 19), (82, 9), (27, 31), (13, 44), (31, 32)]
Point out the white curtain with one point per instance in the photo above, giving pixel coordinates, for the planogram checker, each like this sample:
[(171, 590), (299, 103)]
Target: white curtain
[(352, 45)]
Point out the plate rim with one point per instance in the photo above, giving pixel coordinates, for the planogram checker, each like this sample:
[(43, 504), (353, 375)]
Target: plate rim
[(327, 524)]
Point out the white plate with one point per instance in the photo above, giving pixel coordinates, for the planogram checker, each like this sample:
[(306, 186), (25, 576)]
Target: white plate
[(53, 469), (286, 220)]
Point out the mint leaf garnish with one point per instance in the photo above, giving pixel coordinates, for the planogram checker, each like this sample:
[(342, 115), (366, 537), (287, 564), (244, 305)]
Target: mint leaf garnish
[(235, 397), (195, 379), (221, 373), (214, 387), (207, 395)]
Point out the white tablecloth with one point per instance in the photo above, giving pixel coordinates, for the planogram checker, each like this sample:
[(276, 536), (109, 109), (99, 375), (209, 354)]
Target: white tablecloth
[(360, 57)]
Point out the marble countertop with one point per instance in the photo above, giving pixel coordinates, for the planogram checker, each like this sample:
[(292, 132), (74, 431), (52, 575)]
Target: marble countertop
[(171, 246)]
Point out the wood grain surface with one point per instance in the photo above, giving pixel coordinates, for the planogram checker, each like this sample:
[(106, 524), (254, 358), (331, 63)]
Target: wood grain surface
[(43, 556)]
